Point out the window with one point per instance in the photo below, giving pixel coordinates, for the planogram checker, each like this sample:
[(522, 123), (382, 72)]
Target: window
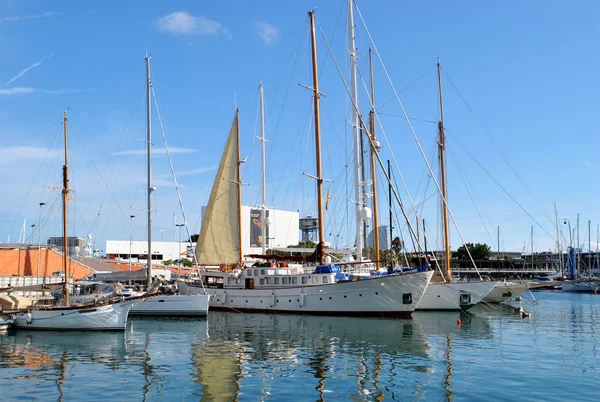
[(276, 281), (407, 298), (256, 272), (268, 281), (262, 281), (315, 279), (304, 280), (238, 281), (284, 281), (325, 279), (228, 281), (262, 271), (248, 272), (294, 281)]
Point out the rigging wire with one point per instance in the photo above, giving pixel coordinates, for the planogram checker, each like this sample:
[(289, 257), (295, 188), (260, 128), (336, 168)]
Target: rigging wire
[(415, 137), (502, 154)]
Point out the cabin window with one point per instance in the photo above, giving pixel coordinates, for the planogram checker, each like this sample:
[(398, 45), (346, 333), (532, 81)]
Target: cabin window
[(294, 281), (249, 272), (284, 281), (238, 281), (268, 281), (262, 271), (262, 281), (315, 279), (228, 281), (325, 279), (304, 280), (276, 281), (256, 272)]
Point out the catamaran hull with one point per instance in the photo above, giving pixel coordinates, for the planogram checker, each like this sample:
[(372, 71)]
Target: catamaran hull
[(505, 291), (110, 317), (454, 296), (393, 296), (172, 306)]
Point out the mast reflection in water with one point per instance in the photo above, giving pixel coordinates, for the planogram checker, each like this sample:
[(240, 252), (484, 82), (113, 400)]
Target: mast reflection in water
[(249, 357)]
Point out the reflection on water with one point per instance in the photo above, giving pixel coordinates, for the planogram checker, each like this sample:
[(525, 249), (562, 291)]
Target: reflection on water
[(231, 356)]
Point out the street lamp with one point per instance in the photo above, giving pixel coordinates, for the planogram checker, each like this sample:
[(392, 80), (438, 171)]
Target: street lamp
[(130, 238), (39, 235), (32, 226), (179, 225)]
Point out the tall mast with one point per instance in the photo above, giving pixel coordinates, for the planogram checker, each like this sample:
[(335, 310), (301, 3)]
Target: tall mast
[(442, 156), (263, 226), (317, 95), (355, 131), (239, 180), (373, 168), (65, 194), (390, 202), (558, 250), (149, 157), (590, 248)]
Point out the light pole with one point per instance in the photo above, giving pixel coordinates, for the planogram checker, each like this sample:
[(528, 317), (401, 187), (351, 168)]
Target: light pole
[(130, 238), (179, 225), (32, 229), (39, 235)]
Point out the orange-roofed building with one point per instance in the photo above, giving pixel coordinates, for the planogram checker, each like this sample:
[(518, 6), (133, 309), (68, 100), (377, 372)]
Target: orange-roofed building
[(24, 260)]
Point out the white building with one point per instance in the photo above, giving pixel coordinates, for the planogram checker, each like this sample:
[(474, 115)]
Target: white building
[(161, 250), (282, 231)]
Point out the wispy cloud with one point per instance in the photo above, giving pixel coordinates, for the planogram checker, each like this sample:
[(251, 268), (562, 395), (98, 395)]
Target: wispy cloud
[(161, 151), (183, 23), (29, 17), (20, 154), (267, 32), (16, 90), (28, 90), (25, 70), (189, 172)]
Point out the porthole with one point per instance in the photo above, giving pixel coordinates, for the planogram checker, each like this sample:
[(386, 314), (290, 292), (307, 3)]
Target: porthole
[(360, 294), (290, 300), (344, 296), (329, 297), (376, 293), (320, 298)]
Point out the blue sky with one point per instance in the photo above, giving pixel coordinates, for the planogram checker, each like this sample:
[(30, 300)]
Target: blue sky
[(526, 69)]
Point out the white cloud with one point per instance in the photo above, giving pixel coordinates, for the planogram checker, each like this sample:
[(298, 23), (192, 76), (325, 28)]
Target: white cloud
[(183, 23), (29, 17), (25, 70), (160, 151), (14, 155), (16, 90), (267, 32), (189, 172)]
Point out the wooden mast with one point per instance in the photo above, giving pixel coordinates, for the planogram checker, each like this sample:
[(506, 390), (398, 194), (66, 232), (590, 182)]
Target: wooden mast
[(239, 181), (373, 168), (65, 195), (321, 245), (442, 156)]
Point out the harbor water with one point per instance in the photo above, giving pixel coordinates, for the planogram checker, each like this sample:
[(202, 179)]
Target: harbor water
[(491, 354)]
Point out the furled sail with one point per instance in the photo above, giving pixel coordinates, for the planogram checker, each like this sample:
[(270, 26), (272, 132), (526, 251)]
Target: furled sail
[(219, 240)]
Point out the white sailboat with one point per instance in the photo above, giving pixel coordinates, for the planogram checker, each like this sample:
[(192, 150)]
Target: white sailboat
[(108, 315), (442, 293), (315, 289), (162, 304)]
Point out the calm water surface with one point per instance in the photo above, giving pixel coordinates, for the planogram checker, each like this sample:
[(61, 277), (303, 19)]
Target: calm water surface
[(493, 355)]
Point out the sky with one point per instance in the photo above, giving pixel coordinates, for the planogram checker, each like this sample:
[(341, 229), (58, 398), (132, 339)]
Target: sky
[(519, 91)]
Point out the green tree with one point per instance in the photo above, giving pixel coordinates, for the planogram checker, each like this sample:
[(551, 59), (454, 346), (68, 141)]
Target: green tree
[(397, 246), (167, 262), (187, 262), (479, 251)]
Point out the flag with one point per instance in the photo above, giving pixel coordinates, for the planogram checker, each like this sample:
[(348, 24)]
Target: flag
[(327, 198)]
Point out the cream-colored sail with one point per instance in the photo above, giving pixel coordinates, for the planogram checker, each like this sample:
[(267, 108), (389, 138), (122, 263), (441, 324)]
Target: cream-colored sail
[(219, 240)]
